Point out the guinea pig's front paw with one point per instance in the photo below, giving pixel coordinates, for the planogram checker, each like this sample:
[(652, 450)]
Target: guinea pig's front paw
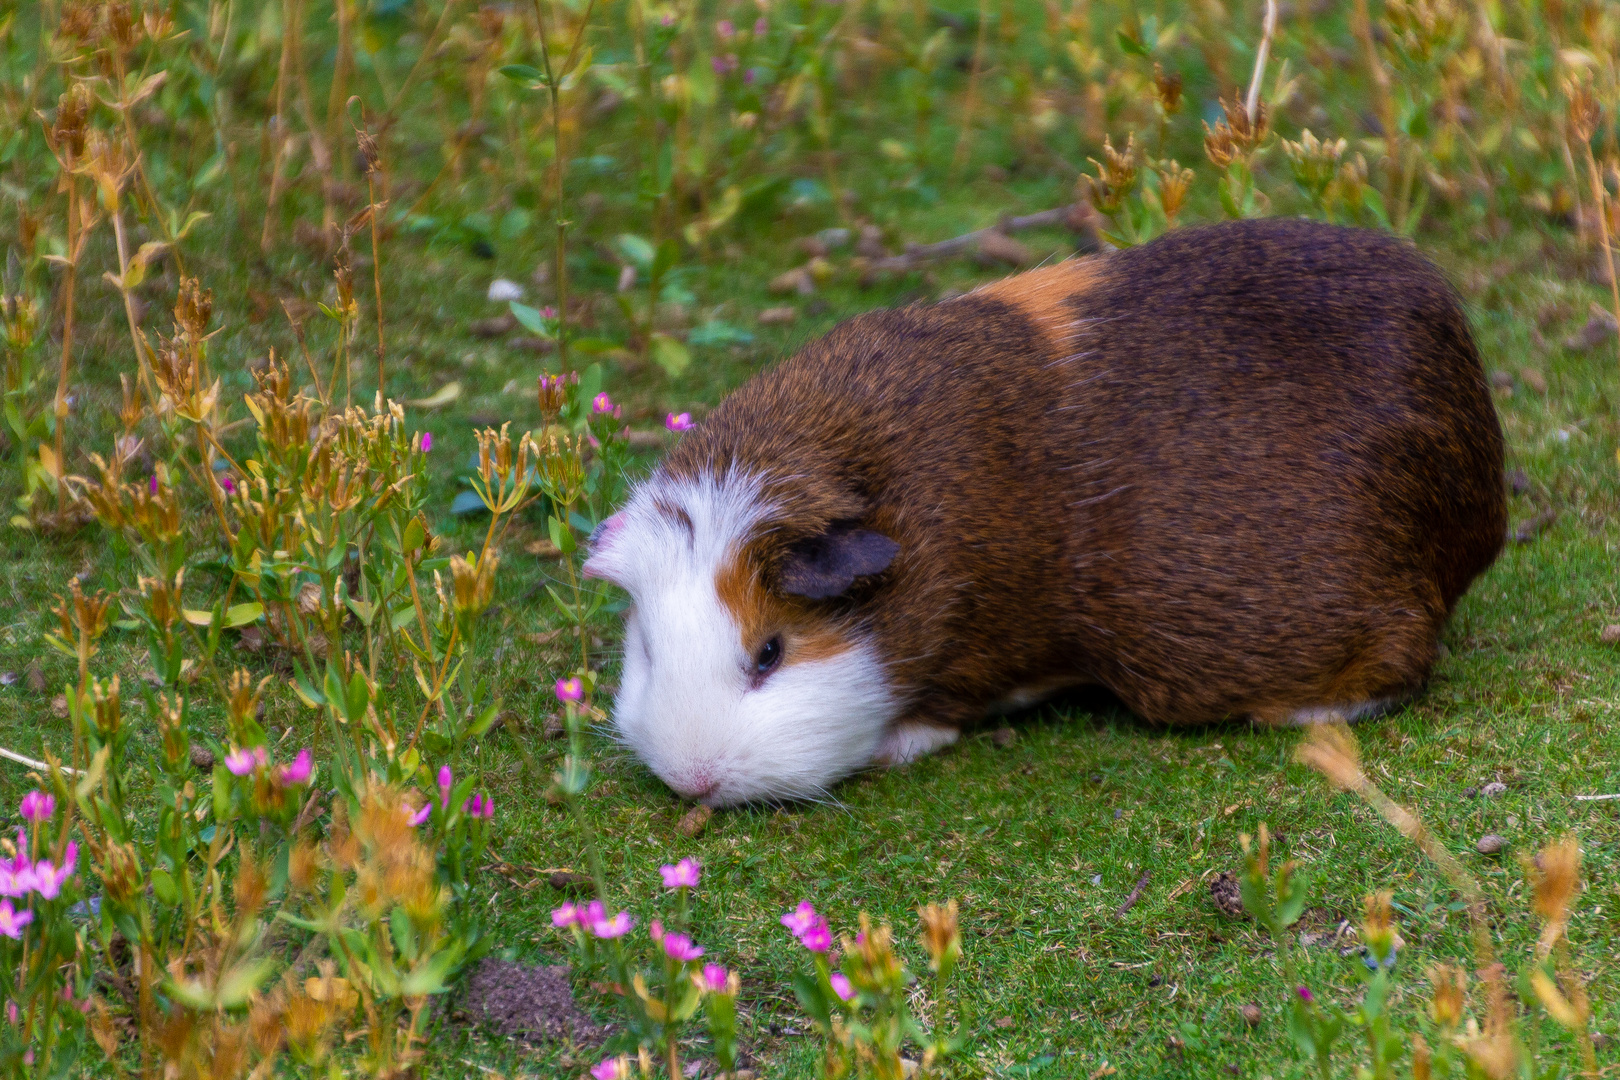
[(909, 740)]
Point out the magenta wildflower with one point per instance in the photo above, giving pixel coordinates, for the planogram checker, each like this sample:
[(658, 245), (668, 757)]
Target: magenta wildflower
[(683, 875), (611, 1069), (679, 421), (12, 1012), (655, 930), (715, 978), (761, 27), (298, 772), (38, 806), (242, 762), (13, 921), (227, 483), (1305, 995), (48, 878), (418, 816), (445, 779), (666, 20), (841, 986), (479, 806), (424, 442), (724, 30), (548, 312), (750, 75), (570, 689), (567, 915), (616, 927), (679, 947), (591, 912), (602, 403), (818, 938), (152, 485), (800, 918)]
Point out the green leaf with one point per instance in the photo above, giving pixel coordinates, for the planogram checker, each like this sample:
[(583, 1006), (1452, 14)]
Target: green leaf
[(239, 983), (242, 614), (530, 317), (670, 354), (414, 536), (163, 887), (1131, 45), (533, 77), (638, 249), (807, 988)]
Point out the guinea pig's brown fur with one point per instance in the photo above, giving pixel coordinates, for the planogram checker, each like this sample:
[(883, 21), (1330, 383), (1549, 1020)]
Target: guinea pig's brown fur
[(1244, 470)]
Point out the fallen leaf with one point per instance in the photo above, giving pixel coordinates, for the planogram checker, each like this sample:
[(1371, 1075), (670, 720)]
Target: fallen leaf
[(542, 549), (695, 821), (778, 316), (35, 677), (447, 393)]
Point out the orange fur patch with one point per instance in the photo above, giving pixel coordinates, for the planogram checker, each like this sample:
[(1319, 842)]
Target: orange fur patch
[(761, 616), (1043, 295)]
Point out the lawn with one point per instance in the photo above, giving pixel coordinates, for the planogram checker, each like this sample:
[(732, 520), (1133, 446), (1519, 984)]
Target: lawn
[(1041, 829)]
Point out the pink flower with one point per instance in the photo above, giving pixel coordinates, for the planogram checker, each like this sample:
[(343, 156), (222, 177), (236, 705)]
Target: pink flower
[(13, 921), (679, 421), (679, 947), (570, 689), (683, 875), (479, 806), (151, 485), (567, 915), (611, 1069), (1305, 995), (841, 986), (616, 927), (723, 64), (761, 27), (602, 403), (724, 30), (17, 874), (445, 780), (424, 441), (12, 1012), (298, 772), (666, 20), (242, 762), (800, 918), (715, 978), (38, 806), (417, 817), (548, 312), (655, 930), (227, 483), (591, 912), (818, 938), (48, 878)]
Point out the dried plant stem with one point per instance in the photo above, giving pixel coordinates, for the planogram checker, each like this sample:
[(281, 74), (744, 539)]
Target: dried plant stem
[(1600, 200), (344, 11), (137, 339), (1361, 25), (432, 46), (376, 279), (1269, 28), (279, 153), (964, 140), (75, 241)]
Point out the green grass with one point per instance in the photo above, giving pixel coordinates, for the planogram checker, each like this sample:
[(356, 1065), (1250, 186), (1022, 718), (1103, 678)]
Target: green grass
[(1041, 840)]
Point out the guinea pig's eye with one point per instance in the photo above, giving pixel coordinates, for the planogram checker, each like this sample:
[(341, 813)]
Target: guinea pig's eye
[(769, 655)]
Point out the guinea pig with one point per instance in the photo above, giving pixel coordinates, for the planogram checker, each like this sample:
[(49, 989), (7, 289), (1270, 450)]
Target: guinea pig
[(1243, 471)]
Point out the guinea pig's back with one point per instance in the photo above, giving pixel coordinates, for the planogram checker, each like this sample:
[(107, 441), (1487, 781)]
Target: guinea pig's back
[(1285, 466)]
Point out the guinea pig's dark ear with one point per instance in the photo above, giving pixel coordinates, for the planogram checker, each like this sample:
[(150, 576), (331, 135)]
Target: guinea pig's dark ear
[(827, 565)]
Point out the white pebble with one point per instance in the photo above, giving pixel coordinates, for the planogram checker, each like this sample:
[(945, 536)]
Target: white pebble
[(502, 290)]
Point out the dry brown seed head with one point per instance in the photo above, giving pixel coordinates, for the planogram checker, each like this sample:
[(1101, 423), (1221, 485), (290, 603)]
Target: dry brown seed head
[(1167, 88), (78, 21), (1116, 175), (21, 314), (1173, 184), (105, 706), (368, 151), (1557, 877), (1331, 750), (942, 936), (553, 393), (251, 885), (72, 118), (121, 24), (157, 24), (193, 307), (1585, 114)]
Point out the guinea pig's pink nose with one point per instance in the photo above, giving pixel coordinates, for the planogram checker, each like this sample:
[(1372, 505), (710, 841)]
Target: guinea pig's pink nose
[(696, 784)]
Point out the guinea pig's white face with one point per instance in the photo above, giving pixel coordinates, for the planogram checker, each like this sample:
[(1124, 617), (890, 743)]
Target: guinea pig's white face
[(723, 706)]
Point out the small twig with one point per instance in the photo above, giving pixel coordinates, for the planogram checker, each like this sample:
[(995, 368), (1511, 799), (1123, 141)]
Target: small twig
[(917, 254), (1597, 798), (1136, 894), (1270, 28), (32, 764)]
